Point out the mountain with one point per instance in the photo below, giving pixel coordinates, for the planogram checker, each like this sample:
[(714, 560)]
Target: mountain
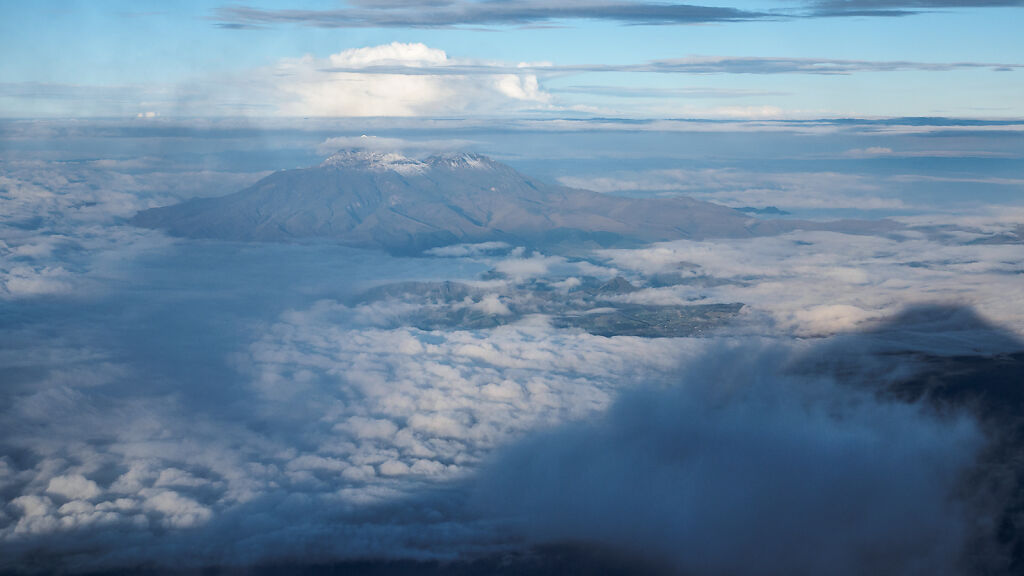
[(384, 200)]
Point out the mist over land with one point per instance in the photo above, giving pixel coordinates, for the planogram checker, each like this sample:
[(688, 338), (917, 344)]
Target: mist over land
[(470, 287)]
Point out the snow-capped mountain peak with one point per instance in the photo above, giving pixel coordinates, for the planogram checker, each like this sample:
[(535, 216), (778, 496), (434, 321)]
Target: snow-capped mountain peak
[(373, 160), (464, 160)]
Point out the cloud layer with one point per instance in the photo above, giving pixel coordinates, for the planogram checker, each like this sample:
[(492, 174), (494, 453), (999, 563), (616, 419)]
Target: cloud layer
[(745, 470), (190, 404), (816, 283)]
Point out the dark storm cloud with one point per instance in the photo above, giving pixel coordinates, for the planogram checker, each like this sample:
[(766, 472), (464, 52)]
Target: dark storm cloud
[(446, 14)]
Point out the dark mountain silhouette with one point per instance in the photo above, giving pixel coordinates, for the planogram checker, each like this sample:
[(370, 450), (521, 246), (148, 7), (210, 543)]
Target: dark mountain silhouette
[(380, 200)]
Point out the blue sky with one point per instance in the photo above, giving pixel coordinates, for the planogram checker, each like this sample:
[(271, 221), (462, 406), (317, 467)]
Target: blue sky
[(77, 58)]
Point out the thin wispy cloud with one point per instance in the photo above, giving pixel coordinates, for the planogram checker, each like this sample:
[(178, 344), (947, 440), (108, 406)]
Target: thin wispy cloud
[(684, 65), (446, 14), (637, 92), (891, 8), (449, 14), (413, 79)]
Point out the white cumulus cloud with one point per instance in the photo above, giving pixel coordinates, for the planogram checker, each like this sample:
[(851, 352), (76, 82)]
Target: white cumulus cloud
[(395, 80), (74, 486)]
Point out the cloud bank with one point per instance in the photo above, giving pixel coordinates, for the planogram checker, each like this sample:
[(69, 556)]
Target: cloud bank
[(820, 283), (742, 469), (182, 404)]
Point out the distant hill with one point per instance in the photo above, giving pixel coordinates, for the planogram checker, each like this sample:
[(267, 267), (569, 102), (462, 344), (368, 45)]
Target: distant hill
[(766, 211), (384, 200)]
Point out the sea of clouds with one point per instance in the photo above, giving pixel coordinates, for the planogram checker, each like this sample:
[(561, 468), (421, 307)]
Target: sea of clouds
[(179, 403)]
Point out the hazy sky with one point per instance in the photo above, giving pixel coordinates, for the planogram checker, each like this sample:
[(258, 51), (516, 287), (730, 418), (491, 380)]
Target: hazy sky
[(744, 58)]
